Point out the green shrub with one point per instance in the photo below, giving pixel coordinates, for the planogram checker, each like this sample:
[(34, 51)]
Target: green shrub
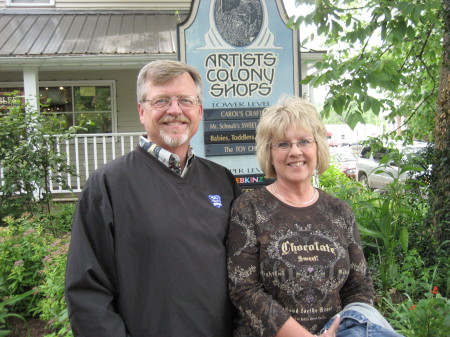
[(385, 222), (390, 225), (414, 276), (28, 157), (23, 246), (428, 317), (59, 220), (5, 312), (33, 259), (333, 178), (336, 183), (52, 306)]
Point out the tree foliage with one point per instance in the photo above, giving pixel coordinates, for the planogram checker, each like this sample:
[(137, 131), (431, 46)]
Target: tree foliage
[(382, 56)]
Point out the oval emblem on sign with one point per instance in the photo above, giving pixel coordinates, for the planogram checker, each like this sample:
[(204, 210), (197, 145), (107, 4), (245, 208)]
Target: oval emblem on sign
[(238, 21)]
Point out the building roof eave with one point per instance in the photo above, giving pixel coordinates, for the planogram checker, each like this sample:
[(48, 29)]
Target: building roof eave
[(85, 62)]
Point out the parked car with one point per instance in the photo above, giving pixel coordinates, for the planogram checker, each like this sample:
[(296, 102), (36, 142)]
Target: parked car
[(376, 169), (345, 161)]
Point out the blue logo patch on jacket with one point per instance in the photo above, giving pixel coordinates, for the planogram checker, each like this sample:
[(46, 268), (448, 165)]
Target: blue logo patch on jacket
[(215, 200)]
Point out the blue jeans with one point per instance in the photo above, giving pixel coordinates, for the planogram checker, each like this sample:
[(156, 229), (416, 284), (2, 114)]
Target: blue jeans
[(355, 324)]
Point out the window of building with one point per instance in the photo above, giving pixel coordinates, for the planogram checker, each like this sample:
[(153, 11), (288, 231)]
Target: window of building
[(86, 104), (30, 2), (7, 97)]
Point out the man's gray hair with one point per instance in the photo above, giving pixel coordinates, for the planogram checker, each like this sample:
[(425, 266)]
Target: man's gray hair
[(161, 71)]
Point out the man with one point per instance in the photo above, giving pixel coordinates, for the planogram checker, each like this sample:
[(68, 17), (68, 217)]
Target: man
[(147, 256)]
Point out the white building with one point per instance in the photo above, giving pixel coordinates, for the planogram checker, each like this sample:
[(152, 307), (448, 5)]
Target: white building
[(342, 134)]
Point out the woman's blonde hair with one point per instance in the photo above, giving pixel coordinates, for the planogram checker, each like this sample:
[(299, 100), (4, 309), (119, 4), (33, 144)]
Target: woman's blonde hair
[(289, 111)]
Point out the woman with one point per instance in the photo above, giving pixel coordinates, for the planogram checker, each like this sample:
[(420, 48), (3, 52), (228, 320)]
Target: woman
[(294, 252)]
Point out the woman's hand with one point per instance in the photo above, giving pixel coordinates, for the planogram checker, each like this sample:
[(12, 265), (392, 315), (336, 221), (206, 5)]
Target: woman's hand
[(293, 329), (331, 332)]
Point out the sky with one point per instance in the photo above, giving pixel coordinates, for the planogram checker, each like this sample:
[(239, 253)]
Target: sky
[(291, 9)]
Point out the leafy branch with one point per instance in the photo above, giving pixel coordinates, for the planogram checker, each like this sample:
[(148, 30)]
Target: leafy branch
[(382, 57)]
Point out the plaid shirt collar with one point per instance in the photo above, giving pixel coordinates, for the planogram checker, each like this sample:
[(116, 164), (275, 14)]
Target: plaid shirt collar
[(171, 160)]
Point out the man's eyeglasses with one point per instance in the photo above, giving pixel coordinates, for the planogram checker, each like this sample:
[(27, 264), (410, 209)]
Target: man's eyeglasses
[(286, 146), (163, 102)]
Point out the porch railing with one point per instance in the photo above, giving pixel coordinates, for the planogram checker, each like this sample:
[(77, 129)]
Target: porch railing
[(87, 152)]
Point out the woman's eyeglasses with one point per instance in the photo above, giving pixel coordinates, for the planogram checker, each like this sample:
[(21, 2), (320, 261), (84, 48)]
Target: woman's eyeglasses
[(286, 146)]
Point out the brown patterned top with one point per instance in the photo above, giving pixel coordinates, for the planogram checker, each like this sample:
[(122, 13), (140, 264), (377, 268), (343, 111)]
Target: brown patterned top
[(304, 262)]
